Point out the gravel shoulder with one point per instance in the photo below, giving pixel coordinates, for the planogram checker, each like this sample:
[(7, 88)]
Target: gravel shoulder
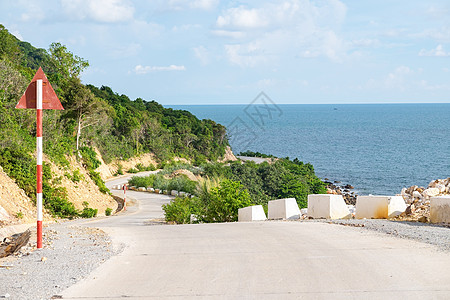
[(70, 253), (438, 235)]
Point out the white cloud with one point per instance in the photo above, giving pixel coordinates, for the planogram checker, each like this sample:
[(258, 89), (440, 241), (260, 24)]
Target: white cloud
[(195, 4), (242, 18), (202, 54), (248, 55), (293, 28), (438, 51), (229, 34), (399, 78), (139, 69), (106, 11)]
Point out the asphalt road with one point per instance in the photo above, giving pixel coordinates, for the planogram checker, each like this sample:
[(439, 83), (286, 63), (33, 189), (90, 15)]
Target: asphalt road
[(262, 260)]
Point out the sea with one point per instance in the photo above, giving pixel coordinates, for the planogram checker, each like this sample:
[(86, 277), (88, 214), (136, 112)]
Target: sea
[(377, 148)]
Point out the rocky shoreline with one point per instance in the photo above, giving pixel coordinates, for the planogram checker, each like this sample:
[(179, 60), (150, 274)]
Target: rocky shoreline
[(345, 190)]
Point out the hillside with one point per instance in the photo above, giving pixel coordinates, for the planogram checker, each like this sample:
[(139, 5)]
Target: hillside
[(102, 134), (99, 134)]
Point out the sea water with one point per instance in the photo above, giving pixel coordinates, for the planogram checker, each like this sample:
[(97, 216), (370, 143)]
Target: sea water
[(378, 148)]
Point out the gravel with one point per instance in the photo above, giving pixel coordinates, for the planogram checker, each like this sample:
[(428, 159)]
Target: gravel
[(438, 235), (70, 253)]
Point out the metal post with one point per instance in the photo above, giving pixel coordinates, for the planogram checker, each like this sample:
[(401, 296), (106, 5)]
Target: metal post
[(124, 197), (39, 161)]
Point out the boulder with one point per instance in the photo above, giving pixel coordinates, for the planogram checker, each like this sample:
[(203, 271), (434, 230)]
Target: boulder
[(431, 192), (142, 189), (174, 193), (327, 206), (251, 213), (283, 209)]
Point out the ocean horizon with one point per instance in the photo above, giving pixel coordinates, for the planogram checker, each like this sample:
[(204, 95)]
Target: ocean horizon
[(377, 148)]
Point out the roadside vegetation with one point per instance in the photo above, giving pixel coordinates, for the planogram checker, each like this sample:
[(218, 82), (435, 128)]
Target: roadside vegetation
[(94, 117), (121, 128)]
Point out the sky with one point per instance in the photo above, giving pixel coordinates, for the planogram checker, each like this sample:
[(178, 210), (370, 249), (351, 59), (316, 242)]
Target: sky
[(227, 52)]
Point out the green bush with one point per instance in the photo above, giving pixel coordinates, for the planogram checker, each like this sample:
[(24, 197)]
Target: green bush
[(87, 211), (133, 171), (142, 181), (179, 210), (108, 211)]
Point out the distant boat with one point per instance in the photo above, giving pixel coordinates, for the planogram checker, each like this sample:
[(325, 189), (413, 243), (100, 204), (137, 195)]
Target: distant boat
[(335, 108)]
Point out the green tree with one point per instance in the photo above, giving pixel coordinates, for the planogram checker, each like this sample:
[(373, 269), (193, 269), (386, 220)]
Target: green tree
[(64, 64), (86, 109)]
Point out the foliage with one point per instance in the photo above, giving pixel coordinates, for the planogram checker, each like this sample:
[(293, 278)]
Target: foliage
[(256, 154), (158, 181), (281, 179), (87, 211), (108, 211), (225, 201), (91, 163), (19, 215), (180, 210)]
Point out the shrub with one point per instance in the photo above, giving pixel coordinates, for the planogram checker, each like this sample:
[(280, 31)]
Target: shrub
[(108, 211), (119, 169), (225, 201), (179, 210), (87, 211), (133, 171), (142, 181)]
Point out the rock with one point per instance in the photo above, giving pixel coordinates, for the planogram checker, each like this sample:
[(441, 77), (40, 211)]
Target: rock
[(43, 259), (441, 188), (431, 192), (423, 219), (416, 194), (410, 209)]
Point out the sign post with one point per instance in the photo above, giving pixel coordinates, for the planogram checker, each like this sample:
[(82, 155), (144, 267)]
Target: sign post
[(125, 187), (39, 95)]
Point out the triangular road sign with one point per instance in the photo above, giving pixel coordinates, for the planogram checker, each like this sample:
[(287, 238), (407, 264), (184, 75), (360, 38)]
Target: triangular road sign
[(49, 98)]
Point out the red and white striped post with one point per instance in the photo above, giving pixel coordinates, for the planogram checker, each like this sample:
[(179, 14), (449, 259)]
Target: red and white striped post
[(125, 197), (32, 98), (39, 161)]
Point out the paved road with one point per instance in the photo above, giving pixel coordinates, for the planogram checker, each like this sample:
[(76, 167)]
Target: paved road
[(263, 260)]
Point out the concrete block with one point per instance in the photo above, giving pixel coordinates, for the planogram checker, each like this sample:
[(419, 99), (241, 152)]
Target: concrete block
[(251, 213), (182, 194), (284, 209), (440, 209), (379, 207), (142, 189), (150, 190), (174, 193), (157, 191), (327, 206)]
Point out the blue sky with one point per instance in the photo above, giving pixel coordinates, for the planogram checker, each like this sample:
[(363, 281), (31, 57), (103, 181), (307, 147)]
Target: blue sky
[(226, 52)]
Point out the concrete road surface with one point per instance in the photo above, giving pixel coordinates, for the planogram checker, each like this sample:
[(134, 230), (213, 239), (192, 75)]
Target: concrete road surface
[(262, 260)]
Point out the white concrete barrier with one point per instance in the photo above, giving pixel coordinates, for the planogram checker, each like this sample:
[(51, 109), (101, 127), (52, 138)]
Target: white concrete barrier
[(440, 209), (327, 206), (284, 209), (251, 213), (379, 207)]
